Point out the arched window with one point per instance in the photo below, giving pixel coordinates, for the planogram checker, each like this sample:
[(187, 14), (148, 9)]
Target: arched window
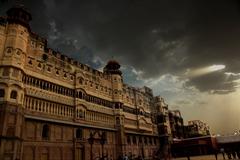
[(9, 51), (30, 62), (18, 52), (45, 131), (81, 81), (13, 94), (79, 133), (39, 65), (2, 92), (81, 114)]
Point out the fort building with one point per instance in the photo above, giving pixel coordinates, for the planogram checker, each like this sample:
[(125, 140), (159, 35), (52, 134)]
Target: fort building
[(55, 108)]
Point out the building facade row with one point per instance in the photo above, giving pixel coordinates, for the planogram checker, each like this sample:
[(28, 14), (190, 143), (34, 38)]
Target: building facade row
[(53, 107)]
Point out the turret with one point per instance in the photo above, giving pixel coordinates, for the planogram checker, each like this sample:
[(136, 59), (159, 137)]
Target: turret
[(112, 69), (14, 37), (18, 14), (14, 40)]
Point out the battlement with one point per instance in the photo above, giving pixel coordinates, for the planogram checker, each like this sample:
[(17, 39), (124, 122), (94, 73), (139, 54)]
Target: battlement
[(35, 37)]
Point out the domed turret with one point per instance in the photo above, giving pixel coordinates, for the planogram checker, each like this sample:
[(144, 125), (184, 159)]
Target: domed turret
[(18, 14), (112, 67)]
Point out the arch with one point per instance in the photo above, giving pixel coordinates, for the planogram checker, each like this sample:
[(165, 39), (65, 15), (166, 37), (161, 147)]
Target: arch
[(8, 50), (17, 86), (81, 113), (18, 52), (65, 75), (81, 80), (48, 69), (81, 90), (39, 65), (81, 109), (30, 62), (13, 94)]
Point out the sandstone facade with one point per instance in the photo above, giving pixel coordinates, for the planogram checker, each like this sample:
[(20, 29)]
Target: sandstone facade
[(51, 106)]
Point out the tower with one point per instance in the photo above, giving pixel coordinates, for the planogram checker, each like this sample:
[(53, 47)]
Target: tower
[(164, 131), (112, 69), (14, 35)]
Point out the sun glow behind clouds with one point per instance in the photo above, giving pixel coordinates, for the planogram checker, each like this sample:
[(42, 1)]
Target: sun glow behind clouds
[(216, 67), (205, 70)]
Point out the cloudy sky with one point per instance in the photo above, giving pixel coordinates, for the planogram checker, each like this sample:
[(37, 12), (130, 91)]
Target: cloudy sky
[(187, 51)]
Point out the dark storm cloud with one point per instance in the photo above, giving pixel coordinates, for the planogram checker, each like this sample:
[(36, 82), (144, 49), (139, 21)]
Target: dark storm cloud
[(154, 36), (216, 83)]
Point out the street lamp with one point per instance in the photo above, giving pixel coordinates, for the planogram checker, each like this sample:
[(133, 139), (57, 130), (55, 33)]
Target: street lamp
[(103, 140), (90, 141)]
